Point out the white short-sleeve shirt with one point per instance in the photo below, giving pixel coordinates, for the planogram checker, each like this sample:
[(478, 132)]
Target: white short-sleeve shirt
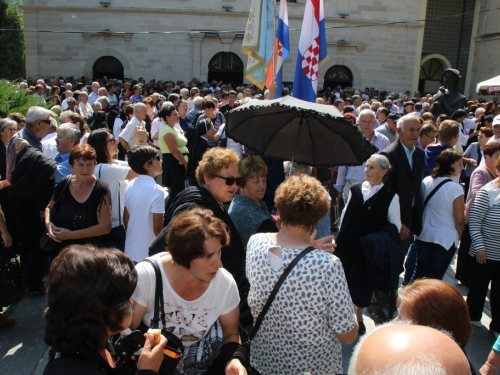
[(188, 320), (143, 198), (438, 223), (114, 174)]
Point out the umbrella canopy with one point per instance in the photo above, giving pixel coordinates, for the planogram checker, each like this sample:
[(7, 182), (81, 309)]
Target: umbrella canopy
[(292, 129), (489, 87)]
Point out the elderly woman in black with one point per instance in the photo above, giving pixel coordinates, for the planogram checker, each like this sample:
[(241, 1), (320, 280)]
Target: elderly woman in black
[(370, 207), (88, 301)]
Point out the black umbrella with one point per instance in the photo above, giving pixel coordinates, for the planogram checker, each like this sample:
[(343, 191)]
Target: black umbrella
[(292, 129)]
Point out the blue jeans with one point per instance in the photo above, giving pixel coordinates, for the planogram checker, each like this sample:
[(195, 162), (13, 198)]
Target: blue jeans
[(432, 260)]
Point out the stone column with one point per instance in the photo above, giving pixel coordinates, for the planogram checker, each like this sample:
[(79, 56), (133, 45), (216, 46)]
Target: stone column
[(196, 38)]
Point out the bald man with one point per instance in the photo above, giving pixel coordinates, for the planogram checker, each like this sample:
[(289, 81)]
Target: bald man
[(402, 348)]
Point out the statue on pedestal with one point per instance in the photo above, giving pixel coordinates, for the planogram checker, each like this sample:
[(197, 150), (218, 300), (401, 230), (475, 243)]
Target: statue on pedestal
[(448, 99)]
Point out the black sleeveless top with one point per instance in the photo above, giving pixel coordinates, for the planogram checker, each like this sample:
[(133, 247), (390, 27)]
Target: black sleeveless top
[(73, 215), (360, 219)]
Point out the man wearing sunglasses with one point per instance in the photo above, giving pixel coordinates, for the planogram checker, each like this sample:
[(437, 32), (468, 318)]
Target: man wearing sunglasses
[(31, 191)]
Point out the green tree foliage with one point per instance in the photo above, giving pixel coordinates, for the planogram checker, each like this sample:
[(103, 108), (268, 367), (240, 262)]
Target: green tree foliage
[(14, 100), (13, 64)]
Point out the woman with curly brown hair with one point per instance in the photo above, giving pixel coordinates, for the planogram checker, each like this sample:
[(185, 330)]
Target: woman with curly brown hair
[(312, 313), (88, 301)]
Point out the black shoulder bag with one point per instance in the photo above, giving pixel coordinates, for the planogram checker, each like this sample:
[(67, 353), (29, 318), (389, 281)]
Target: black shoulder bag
[(46, 243), (434, 191), (271, 297), (132, 344)]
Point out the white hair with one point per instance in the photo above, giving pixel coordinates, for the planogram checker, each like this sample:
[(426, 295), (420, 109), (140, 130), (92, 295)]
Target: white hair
[(197, 101), (23, 85), (166, 104), (382, 161), (479, 112), (71, 131), (102, 99), (4, 122), (418, 365), (138, 106), (35, 114), (96, 104), (65, 116), (102, 89)]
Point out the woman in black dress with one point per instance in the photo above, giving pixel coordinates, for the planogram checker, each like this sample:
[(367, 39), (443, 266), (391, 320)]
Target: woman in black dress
[(80, 210), (370, 207), (203, 132)]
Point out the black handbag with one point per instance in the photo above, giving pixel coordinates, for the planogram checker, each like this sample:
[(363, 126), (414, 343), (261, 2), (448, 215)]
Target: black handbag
[(12, 285), (132, 344), (46, 243), (223, 140), (271, 297)]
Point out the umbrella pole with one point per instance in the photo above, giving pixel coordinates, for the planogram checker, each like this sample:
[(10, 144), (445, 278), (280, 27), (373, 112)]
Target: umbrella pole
[(296, 143)]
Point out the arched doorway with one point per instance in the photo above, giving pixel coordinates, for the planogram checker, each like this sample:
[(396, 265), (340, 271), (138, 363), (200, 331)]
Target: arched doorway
[(108, 66), (226, 67), (338, 75), (431, 72)]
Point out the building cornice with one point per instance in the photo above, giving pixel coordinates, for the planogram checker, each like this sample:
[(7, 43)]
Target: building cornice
[(339, 21)]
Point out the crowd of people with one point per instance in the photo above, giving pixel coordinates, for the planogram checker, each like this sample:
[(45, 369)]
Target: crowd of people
[(141, 209)]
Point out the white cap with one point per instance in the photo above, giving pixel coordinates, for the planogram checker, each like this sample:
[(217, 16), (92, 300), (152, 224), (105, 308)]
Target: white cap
[(496, 120)]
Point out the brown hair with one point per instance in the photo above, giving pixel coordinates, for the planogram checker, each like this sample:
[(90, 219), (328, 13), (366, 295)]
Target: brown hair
[(491, 148), (88, 293), (301, 201), (448, 129), (149, 101), (188, 233), (213, 161), (444, 162), (251, 167), (486, 131), (435, 303), (85, 152)]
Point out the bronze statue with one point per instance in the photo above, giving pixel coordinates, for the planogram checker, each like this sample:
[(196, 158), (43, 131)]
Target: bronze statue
[(448, 99)]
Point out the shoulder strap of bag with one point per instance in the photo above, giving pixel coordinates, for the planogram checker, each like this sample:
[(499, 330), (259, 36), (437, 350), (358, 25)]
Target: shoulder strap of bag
[(65, 181), (434, 191), (158, 303), (282, 278)]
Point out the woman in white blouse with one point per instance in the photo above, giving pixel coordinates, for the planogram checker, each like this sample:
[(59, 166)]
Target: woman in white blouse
[(370, 207), (484, 224), (443, 219)]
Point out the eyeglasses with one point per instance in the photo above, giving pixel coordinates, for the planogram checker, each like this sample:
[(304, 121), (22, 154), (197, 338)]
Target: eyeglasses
[(46, 121), (232, 180), (157, 157), (111, 140)]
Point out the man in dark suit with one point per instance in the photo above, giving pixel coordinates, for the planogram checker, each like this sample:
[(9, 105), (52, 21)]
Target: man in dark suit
[(405, 178)]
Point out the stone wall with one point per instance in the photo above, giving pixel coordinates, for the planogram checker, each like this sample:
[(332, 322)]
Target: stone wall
[(382, 56), (487, 45)]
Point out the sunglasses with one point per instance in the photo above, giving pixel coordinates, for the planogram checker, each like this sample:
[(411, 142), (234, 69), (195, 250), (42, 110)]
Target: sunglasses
[(157, 157), (232, 180), (46, 121)]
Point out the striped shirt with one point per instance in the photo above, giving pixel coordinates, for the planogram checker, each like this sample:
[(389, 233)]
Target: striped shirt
[(484, 221)]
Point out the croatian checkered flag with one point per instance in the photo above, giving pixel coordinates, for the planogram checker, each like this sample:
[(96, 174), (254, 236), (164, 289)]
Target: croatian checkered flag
[(312, 51)]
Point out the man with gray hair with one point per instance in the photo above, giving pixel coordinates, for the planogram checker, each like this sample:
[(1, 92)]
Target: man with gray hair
[(403, 348), (348, 176), (95, 93), (191, 116), (194, 93), (68, 136), (129, 134), (31, 193)]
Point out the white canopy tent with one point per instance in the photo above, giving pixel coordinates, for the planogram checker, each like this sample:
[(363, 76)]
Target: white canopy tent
[(489, 87)]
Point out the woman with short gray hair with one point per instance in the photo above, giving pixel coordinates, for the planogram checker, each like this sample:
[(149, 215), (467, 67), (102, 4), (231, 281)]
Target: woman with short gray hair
[(372, 208)]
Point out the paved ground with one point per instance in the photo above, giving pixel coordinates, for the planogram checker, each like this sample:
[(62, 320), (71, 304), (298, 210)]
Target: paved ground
[(23, 351)]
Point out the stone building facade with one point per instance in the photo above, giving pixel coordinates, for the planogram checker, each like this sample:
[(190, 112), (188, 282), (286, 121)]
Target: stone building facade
[(371, 43)]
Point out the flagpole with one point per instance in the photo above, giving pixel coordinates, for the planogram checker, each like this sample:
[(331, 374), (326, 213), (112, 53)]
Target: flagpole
[(275, 44)]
